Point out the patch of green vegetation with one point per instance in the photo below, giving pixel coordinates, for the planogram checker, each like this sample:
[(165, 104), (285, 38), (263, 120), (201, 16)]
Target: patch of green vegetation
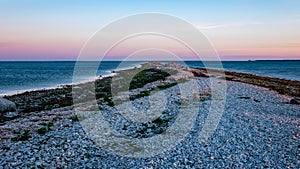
[(74, 118), (111, 104), (49, 125), (109, 101), (2, 121), (16, 132), (42, 130), (23, 137), (46, 127), (165, 86), (87, 155), (48, 107), (158, 126), (161, 122), (182, 80), (142, 130), (141, 94), (205, 96), (100, 107), (158, 120), (66, 103), (171, 71), (147, 76)]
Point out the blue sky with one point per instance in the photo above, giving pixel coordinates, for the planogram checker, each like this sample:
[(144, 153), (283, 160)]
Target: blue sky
[(240, 30)]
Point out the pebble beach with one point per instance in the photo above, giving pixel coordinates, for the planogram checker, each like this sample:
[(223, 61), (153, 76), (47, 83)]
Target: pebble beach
[(259, 128)]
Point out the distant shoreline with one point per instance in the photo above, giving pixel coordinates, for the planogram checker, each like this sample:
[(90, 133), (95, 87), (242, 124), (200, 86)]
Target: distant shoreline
[(282, 86)]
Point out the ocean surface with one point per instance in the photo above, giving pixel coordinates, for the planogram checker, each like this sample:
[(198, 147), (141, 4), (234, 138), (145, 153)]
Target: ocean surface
[(284, 69), (17, 77)]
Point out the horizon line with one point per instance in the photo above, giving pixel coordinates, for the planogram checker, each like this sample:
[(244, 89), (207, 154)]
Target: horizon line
[(148, 60)]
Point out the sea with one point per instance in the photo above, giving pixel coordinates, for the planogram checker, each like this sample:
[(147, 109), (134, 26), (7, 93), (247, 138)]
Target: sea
[(17, 77)]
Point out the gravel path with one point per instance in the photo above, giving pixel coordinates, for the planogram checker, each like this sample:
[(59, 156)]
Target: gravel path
[(257, 130)]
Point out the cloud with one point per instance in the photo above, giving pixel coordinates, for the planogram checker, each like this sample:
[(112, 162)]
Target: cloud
[(225, 25), (239, 24)]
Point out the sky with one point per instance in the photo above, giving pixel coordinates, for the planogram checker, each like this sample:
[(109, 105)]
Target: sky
[(238, 29)]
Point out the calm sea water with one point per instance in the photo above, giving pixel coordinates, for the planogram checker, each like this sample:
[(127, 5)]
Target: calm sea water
[(19, 76)]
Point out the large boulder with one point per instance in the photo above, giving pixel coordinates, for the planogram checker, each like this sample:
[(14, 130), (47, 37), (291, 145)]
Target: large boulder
[(7, 107)]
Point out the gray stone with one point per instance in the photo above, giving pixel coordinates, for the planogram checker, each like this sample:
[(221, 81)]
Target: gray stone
[(11, 114), (6, 106), (295, 101)]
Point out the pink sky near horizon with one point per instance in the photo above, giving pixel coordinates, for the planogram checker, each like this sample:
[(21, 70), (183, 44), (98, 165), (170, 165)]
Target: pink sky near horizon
[(229, 48), (55, 30), (234, 43), (70, 51)]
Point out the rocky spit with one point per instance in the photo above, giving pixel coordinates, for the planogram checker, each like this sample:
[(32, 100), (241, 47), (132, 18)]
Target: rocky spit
[(259, 128)]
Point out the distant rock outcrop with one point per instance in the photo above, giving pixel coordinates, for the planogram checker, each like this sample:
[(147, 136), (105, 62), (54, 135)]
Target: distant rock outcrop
[(7, 108)]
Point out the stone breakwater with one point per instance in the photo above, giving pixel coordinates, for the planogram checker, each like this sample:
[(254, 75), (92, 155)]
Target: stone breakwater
[(258, 129)]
